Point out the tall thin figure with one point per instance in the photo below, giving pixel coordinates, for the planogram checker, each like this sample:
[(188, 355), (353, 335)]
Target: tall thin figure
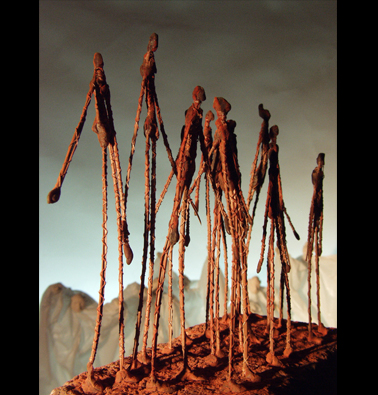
[(103, 126), (315, 231)]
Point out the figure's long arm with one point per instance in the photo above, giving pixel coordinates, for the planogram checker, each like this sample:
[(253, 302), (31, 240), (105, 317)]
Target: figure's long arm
[(54, 194)]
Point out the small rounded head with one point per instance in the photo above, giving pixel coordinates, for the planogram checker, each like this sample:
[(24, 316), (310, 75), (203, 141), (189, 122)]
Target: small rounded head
[(199, 94), (273, 132), (209, 116), (320, 159), (221, 105), (153, 42), (97, 60)]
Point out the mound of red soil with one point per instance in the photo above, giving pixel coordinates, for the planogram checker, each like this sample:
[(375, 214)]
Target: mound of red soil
[(310, 369)]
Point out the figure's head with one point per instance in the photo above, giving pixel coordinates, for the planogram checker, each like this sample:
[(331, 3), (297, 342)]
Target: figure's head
[(221, 105), (209, 116), (273, 132), (153, 42), (231, 125), (199, 94), (320, 159), (98, 61)]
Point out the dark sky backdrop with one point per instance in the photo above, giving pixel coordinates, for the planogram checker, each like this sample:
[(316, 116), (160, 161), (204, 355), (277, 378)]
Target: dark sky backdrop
[(279, 53)]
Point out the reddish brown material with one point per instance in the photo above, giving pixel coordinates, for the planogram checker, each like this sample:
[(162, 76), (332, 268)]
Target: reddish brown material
[(309, 368), (315, 233)]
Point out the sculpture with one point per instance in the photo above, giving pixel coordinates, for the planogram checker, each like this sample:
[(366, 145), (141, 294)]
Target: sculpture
[(315, 230), (185, 165), (275, 210), (220, 163), (229, 180)]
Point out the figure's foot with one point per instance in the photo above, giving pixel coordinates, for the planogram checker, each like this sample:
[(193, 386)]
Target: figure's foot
[(288, 350), (322, 329), (188, 375), (273, 360), (313, 339), (230, 386), (90, 384), (249, 375), (123, 374), (210, 360), (157, 386), (144, 359)]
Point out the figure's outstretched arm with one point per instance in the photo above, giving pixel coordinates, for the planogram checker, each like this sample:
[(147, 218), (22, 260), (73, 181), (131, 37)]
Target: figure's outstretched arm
[(54, 194)]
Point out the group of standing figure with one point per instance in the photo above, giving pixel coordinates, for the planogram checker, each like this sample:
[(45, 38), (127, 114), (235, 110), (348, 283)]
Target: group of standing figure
[(219, 163)]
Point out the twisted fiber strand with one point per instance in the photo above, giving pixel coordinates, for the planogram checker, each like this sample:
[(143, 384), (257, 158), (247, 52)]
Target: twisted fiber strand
[(159, 292), (133, 140), (170, 297), (270, 300), (217, 308), (145, 246), (181, 272), (234, 268), (104, 262), (317, 273), (165, 138), (152, 243), (164, 191), (251, 190), (74, 141), (208, 218), (267, 205), (319, 244), (211, 281), (225, 265), (310, 240), (118, 193)]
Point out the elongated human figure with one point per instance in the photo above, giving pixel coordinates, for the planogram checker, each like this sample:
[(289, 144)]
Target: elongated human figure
[(275, 210), (103, 126), (185, 165), (230, 181), (258, 172), (315, 231)]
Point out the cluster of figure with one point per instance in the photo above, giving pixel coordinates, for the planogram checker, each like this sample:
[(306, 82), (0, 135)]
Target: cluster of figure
[(219, 163)]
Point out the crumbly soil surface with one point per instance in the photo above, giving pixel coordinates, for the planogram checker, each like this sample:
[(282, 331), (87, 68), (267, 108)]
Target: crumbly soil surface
[(309, 369)]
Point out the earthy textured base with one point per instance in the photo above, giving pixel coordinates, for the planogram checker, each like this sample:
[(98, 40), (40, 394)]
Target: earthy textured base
[(310, 369)]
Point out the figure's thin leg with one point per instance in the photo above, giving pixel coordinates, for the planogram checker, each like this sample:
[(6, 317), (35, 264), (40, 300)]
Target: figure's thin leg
[(170, 297), (267, 204), (181, 276), (321, 327), (159, 293), (118, 197), (310, 240), (211, 283), (271, 358), (225, 266), (145, 250), (218, 351), (288, 349), (152, 248), (90, 382), (209, 249), (133, 140)]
